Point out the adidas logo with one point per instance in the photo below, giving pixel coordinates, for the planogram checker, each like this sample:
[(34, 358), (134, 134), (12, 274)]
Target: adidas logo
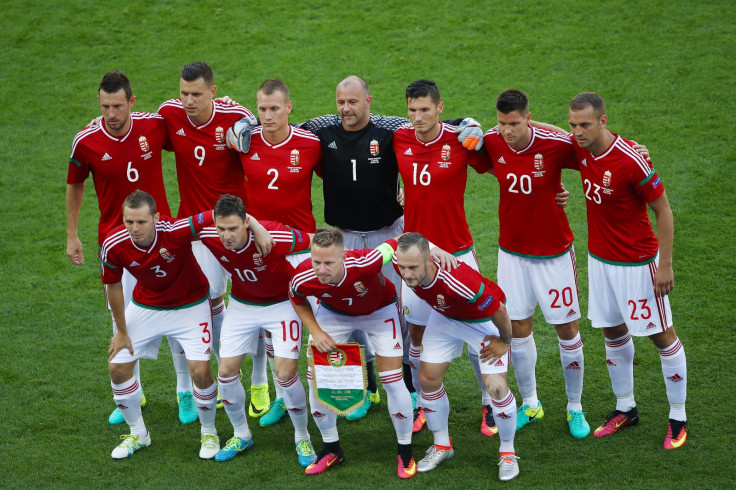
[(573, 365), (106, 157), (676, 378), (327, 295), (651, 325), (122, 407), (317, 414), (332, 146), (295, 349), (611, 363), (134, 264), (224, 259), (571, 312), (255, 157), (502, 415), (226, 402), (295, 409), (208, 351), (408, 152), (205, 408), (585, 162), (397, 346), (501, 160), (399, 415), (498, 363), (181, 132), (429, 410)]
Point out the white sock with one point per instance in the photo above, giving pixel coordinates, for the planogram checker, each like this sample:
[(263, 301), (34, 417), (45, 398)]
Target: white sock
[(437, 411), (674, 370), (218, 315), (296, 404), (206, 401), (268, 348), (326, 421), (127, 396), (573, 366), (415, 353), (233, 398), (399, 404), (504, 412), (524, 361), (258, 375), (183, 379), (620, 362)]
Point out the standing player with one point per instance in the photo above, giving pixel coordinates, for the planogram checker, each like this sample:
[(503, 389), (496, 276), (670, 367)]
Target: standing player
[(206, 169), (434, 167), (629, 267), (353, 295), (466, 308), (258, 300), (171, 297), (536, 258), (123, 153)]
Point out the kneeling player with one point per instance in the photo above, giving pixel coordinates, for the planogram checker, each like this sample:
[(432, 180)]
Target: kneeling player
[(466, 308), (170, 298)]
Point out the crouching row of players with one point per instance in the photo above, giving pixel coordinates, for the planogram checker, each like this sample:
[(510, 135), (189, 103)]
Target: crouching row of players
[(171, 297)]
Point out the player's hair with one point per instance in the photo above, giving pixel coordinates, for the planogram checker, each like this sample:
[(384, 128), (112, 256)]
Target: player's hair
[(197, 70), (229, 205), (512, 100), (138, 198), (272, 85), (423, 88), (113, 81), (326, 236), (408, 240), (585, 99), (356, 79)]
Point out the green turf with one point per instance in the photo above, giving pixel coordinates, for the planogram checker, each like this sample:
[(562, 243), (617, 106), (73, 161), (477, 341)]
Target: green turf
[(666, 71)]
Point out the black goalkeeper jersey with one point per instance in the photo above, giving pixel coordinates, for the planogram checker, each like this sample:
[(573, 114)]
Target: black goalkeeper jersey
[(359, 171)]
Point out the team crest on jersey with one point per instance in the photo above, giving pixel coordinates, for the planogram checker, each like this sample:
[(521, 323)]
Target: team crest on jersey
[(607, 178), (446, 152), (219, 134), (143, 142), (258, 259), (360, 287), (167, 256), (538, 161), (294, 159), (374, 148), (441, 303)]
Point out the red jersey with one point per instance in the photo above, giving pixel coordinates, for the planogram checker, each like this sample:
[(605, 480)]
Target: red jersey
[(257, 279), (434, 176), (363, 288), (531, 224), (205, 167), (462, 294), (167, 273), (618, 184), (279, 177), (120, 165)]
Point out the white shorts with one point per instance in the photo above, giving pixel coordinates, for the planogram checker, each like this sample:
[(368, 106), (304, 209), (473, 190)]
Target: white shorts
[(417, 310), (216, 274), (625, 294), (191, 326), (243, 323), (381, 327), (444, 338), (553, 283), (372, 239)]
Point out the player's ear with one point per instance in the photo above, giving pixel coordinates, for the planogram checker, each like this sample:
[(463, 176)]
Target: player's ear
[(213, 90), (369, 99), (604, 121), (288, 107), (440, 107), (156, 217), (528, 117), (132, 100)]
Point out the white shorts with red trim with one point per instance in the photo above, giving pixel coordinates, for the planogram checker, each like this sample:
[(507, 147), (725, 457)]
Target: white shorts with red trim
[(191, 326), (415, 309), (553, 283), (444, 338), (243, 323), (625, 294)]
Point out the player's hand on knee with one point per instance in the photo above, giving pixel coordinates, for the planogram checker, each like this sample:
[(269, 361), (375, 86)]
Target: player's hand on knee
[(471, 134), (119, 342), (492, 349)]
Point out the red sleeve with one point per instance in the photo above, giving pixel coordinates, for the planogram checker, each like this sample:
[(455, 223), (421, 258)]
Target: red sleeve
[(480, 161)]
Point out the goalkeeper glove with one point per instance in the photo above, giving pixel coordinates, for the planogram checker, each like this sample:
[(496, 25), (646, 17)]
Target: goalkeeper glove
[(471, 134)]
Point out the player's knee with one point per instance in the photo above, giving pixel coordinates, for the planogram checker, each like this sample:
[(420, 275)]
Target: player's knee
[(567, 331), (285, 370), (201, 375), (496, 386), (120, 373)]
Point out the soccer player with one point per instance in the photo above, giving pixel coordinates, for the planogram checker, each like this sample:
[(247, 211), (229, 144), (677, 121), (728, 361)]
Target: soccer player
[(434, 168), (536, 258), (629, 267), (353, 295), (258, 300), (171, 297), (466, 308), (206, 169), (123, 153)]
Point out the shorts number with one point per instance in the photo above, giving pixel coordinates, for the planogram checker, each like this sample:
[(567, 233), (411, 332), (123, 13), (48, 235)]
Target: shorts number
[(393, 325), (199, 154), (596, 197), (207, 337), (294, 329), (525, 183), (566, 297), (424, 177), (275, 173), (644, 311), (132, 173), (157, 270), (246, 275)]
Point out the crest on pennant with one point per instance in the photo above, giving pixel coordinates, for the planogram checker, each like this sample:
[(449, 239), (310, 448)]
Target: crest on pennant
[(143, 142)]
